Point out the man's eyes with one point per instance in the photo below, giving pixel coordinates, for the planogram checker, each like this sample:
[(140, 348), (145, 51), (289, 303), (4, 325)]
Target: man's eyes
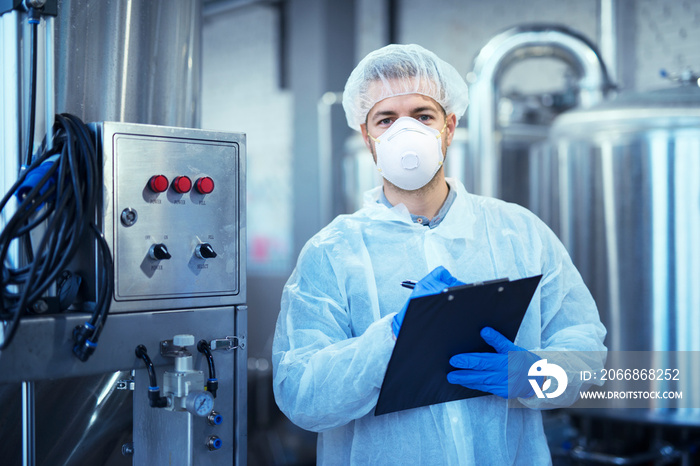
[(422, 118)]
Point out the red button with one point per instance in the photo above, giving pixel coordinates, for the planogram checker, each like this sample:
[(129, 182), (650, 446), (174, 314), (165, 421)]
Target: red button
[(182, 184), (158, 183), (204, 185)]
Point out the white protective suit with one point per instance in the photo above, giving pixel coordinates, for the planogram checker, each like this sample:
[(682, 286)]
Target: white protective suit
[(333, 338)]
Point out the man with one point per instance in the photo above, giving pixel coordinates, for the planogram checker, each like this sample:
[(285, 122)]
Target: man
[(342, 307)]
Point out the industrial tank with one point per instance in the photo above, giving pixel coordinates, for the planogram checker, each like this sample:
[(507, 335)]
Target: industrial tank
[(619, 183), (121, 60)]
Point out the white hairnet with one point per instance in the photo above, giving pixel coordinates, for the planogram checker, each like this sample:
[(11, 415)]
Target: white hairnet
[(402, 69)]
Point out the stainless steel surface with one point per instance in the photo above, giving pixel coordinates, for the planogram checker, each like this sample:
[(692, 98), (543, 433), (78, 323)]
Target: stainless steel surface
[(77, 421), (240, 387), (495, 57), (11, 110), (15, 36), (176, 437), (182, 221), (162, 436), (42, 345), (123, 332), (135, 61), (622, 192), (10, 95), (28, 431), (134, 153)]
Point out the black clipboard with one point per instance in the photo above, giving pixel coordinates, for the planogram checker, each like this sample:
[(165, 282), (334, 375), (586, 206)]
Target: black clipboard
[(439, 326)]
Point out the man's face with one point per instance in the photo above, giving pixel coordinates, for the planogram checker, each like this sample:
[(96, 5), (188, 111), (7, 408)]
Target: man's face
[(420, 107)]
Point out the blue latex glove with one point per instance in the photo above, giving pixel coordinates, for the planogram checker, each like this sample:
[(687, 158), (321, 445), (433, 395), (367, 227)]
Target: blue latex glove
[(488, 372), (433, 283)]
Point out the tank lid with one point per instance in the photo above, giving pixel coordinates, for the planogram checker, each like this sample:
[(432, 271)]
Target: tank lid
[(673, 97), (674, 107)]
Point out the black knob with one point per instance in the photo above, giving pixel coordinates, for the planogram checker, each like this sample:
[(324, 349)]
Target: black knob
[(159, 252), (205, 251)]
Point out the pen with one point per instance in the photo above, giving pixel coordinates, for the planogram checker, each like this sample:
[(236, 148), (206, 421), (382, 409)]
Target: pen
[(409, 284)]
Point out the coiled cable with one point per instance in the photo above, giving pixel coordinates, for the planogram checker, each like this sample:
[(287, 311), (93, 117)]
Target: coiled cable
[(65, 196)]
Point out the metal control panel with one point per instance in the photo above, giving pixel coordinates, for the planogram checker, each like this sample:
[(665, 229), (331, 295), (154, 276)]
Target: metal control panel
[(174, 211)]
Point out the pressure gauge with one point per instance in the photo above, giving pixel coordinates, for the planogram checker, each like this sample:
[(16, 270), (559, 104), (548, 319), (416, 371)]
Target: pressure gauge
[(199, 403)]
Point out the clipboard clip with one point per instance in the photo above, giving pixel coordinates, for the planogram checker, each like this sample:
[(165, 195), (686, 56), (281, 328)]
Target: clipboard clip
[(470, 285), (412, 284)]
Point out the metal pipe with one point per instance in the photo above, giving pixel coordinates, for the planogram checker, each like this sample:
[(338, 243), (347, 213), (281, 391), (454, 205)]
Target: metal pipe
[(325, 153), (495, 57), (49, 79), (10, 127), (608, 36), (28, 444)]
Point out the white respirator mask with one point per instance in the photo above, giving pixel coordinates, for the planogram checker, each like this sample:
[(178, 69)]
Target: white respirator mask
[(409, 153)]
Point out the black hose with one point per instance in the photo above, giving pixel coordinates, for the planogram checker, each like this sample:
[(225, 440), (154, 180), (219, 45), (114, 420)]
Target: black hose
[(204, 348), (142, 353), (212, 382), (155, 400), (60, 189)]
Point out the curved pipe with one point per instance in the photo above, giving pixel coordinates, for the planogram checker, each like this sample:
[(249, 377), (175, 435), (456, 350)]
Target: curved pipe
[(497, 55)]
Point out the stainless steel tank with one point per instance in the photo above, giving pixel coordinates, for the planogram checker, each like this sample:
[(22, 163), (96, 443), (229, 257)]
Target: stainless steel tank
[(130, 61), (121, 60), (620, 183)]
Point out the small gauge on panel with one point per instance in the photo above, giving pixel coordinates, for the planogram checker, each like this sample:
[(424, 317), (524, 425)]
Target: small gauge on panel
[(199, 403)]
